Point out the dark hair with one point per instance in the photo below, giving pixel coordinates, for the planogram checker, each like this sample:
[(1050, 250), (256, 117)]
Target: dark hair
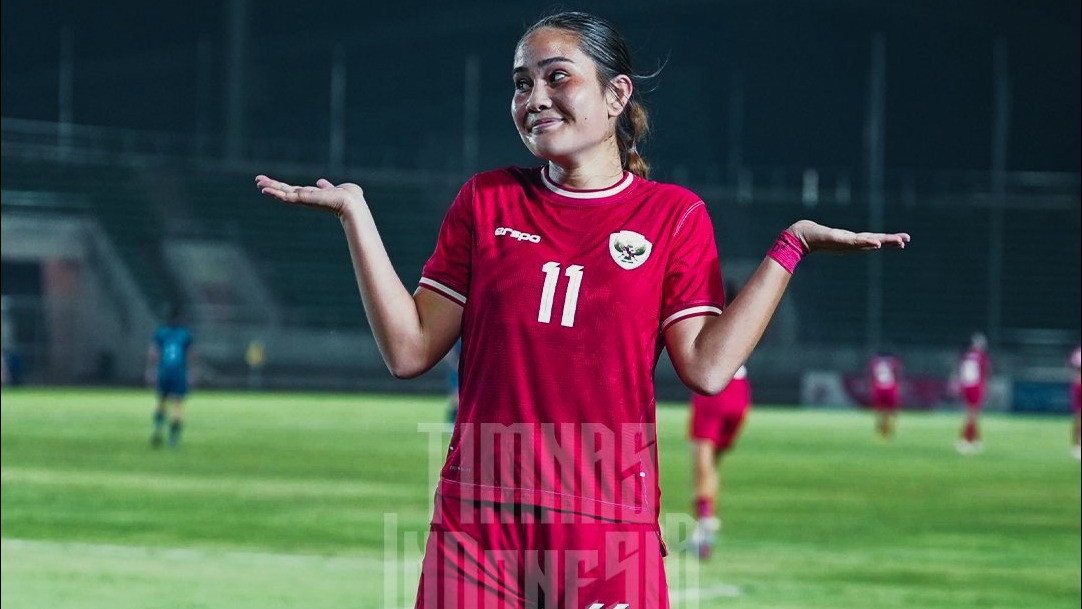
[(603, 44)]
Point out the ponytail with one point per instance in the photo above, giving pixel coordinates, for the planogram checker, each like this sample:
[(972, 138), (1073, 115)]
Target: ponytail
[(631, 127)]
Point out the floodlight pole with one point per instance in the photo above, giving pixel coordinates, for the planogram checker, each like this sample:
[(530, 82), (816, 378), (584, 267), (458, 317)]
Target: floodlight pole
[(203, 96), (736, 128), (873, 131), (237, 36), (1001, 96), (337, 136), (65, 92), (470, 113)]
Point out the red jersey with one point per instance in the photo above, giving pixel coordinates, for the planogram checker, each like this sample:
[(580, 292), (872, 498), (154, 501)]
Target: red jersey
[(566, 294), (973, 368), (1076, 381), (884, 372)]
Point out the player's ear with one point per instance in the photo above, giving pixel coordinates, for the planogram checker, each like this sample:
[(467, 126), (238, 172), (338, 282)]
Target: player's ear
[(618, 94)]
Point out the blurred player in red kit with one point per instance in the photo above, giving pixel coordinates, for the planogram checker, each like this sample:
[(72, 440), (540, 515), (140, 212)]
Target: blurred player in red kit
[(564, 282), (1076, 400), (884, 391), (716, 420), (972, 377)]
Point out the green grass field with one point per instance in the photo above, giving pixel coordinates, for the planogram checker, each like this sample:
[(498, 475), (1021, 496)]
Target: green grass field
[(321, 501)]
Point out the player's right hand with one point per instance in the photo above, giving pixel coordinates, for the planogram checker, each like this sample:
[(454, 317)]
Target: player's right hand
[(336, 199)]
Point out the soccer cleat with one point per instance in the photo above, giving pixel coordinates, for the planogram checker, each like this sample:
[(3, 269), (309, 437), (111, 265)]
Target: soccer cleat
[(1076, 452), (156, 440), (705, 536), (964, 447)]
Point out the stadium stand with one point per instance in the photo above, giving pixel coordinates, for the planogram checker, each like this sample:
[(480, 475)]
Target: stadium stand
[(936, 292)]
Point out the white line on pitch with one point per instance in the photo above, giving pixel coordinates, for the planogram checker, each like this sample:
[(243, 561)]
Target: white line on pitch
[(106, 550), (702, 594)]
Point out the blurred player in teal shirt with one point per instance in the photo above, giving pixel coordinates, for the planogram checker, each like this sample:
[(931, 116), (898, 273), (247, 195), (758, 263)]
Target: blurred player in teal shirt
[(171, 365), (452, 358)]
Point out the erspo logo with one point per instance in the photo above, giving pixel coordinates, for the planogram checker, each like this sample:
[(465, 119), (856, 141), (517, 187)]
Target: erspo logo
[(519, 235)]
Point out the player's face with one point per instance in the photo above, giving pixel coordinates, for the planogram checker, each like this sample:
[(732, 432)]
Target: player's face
[(560, 109)]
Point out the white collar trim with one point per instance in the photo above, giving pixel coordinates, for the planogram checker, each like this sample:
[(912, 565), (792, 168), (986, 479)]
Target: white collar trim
[(613, 190)]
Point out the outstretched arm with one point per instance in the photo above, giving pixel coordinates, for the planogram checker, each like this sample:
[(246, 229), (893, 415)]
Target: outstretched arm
[(413, 331), (707, 351)]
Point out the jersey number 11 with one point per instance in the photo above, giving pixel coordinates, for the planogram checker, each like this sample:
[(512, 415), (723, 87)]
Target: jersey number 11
[(548, 291)]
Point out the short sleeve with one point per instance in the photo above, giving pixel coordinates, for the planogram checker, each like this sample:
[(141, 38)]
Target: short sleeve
[(693, 283), (447, 271)]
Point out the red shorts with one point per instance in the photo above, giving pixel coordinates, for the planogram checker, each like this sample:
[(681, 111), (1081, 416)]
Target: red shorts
[(973, 396), (885, 398), (718, 418), (483, 555)]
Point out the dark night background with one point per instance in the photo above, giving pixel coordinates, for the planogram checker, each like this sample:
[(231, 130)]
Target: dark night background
[(804, 66)]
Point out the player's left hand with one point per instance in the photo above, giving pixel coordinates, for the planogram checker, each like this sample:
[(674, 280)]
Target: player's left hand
[(816, 237), (336, 199)]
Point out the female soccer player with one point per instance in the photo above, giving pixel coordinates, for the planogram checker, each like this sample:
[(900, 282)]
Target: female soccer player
[(884, 378), (715, 422), (1075, 363), (564, 281), (972, 373)]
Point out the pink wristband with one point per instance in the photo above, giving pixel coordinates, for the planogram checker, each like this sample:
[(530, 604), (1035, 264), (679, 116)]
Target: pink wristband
[(787, 251)]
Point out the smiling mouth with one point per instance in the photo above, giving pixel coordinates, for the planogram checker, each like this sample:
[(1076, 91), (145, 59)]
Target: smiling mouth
[(544, 124)]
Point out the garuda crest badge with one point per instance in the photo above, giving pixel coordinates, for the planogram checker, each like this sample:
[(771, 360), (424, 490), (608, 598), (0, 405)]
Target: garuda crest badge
[(629, 249)]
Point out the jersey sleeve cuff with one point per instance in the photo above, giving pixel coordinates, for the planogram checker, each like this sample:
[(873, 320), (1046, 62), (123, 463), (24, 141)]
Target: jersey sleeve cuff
[(690, 311), (443, 290)]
